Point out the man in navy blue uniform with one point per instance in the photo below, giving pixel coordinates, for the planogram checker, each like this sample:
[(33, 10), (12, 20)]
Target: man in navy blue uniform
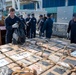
[(33, 26), (28, 26), (22, 19), (40, 24), (45, 17), (48, 25), (72, 29), (10, 24)]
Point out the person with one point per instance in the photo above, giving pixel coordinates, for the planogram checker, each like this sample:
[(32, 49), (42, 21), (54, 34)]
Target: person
[(72, 29), (52, 18), (10, 21), (33, 26), (28, 26), (40, 25), (45, 17), (48, 25), (22, 19)]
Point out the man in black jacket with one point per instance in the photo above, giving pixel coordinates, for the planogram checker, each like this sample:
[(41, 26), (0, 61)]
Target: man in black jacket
[(48, 25), (40, 25), (28, 26), (10, 24), (72, 29), (33, 26)]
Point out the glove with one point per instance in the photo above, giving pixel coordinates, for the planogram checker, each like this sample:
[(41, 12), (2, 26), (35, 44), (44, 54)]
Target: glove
[(15, 25), (27, 22), (42, 34)]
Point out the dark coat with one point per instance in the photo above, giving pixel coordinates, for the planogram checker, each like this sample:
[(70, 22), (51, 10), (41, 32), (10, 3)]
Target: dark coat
[(28, 19), (48, 25), (23, 20), (72, 28), (9, 30), (33, 27), (41, 24), (28, 27)]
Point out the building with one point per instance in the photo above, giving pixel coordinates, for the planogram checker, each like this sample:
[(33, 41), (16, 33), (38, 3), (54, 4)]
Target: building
[(61, 10)]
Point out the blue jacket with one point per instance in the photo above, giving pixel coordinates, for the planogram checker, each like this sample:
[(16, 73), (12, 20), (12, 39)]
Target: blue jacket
[(48, 25), (33, 22)]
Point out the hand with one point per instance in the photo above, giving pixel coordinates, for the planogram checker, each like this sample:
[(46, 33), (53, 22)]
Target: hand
[(67, 35), (27, 22), (15, 25)]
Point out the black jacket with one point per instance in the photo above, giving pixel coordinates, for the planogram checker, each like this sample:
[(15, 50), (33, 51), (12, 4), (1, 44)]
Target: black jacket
[(9, 30), (72, 29)]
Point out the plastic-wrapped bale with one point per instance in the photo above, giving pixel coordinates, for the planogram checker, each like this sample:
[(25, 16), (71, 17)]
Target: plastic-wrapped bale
[(33, 58), (6, 49), (5, 61), (40, 39), (9, 53), (55, 48), (45, 53), (12, 65), (24, 62), (20, 56), (33, 50), (33, 42), (72, 46), (64, 65), (52, 44), (13, 52), (56, 70), (40, 68), (56, 57), (70, 60), (1, 56), (46, 64), (4, 46), (60, 46), (73, 54), (5, 71), (60, 55)]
